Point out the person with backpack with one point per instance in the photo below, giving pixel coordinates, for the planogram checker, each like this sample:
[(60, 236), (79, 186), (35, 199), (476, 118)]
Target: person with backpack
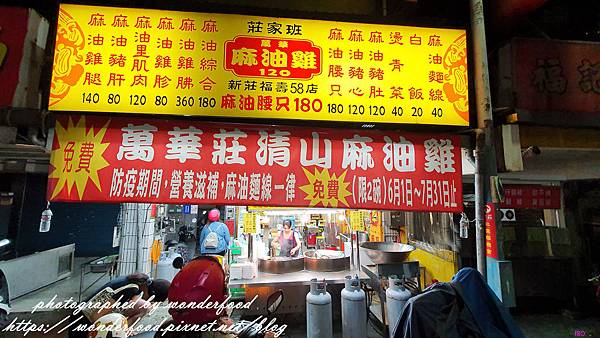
[(214, 237)]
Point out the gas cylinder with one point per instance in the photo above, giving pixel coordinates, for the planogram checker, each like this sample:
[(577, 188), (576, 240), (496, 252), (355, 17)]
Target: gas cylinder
[(165, 268), (396, 297), (354, 309), (318, 311)]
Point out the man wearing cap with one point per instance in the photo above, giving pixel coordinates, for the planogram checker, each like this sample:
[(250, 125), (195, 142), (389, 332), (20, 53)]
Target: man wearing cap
[(214, 238)]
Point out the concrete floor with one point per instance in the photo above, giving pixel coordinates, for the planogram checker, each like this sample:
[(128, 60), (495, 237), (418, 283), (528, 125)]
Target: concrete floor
[(63, 289)]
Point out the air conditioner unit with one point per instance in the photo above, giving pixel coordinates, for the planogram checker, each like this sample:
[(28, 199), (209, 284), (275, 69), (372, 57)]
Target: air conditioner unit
[(508, 215)]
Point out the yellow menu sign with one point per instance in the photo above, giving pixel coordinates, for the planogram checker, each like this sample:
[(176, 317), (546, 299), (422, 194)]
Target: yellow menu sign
[(125, 60), (249, 223)]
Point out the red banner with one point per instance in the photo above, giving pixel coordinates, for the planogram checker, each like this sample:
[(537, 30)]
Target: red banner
[(491, 243), (13, 28), (531, 197), (96, 159)]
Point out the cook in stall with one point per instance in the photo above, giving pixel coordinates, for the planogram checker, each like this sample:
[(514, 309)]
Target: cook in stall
[(288, 241)]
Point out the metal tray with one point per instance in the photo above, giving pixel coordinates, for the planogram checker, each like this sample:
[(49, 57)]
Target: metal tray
[(386, 252), (280, 264), (326, 260)]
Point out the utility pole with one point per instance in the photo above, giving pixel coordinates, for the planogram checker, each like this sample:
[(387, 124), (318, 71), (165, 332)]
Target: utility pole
[(485, 158)]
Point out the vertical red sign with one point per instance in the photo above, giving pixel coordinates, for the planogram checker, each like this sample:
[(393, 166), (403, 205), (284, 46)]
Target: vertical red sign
[(491, 245)]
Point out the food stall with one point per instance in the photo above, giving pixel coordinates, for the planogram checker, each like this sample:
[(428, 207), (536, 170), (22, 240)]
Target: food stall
[(327, 253), (332, 177)]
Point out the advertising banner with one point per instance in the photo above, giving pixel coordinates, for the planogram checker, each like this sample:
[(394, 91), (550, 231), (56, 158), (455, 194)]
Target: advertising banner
[(97, 159), (124, 60), (520, 196), (491, 243)]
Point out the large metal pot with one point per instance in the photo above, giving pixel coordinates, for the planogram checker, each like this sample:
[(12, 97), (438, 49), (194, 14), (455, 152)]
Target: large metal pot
[(280, 264), (326, 260), (386, 252)]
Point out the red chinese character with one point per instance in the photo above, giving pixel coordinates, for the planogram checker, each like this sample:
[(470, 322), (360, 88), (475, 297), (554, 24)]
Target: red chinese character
[(207, 83), (246, 102), (208, 64), (434, 41), (376, 37), (355, 35), (396, 93), (376, 73), (96, 20), (319, 189), (335, 71), (184, 82), (228, 101), (165, 43), (375, 92), (335, 34), (396, 38), (118, 60), (142, 22), (209, 46), (161, 81), (69, 153), (376, 56), (119, 41), (187, 44), (415, 94), (264, 103), (332, 189), (139, 65), (436, 77), (141, 51), (165, 24), (96, 40), (162, 62), (120, 21), (356, 55), (92, 79), (356, 91), (115, 79), (282, 102), (436, 95), (415, 40), (86, 152), (93, 58), (139, 80), (185, 62), (356, 72), (335, 89), (396, 65), (188, 25), (335, 53), (142, 37), (435, 59), (209, 26)]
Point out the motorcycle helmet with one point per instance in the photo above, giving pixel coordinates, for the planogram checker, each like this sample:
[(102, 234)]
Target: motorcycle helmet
[(201, 277), (213, 215)]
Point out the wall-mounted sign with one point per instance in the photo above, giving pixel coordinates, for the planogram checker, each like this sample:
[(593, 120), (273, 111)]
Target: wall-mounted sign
[(97, 159), (160, 62), (552, 76), (531, 197)]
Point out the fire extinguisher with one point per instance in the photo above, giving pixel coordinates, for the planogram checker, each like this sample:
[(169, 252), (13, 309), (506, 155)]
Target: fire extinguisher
[(46, 219)]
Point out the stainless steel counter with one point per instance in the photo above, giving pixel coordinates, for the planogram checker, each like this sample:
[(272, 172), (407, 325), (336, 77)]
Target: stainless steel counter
[(296, 278)]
